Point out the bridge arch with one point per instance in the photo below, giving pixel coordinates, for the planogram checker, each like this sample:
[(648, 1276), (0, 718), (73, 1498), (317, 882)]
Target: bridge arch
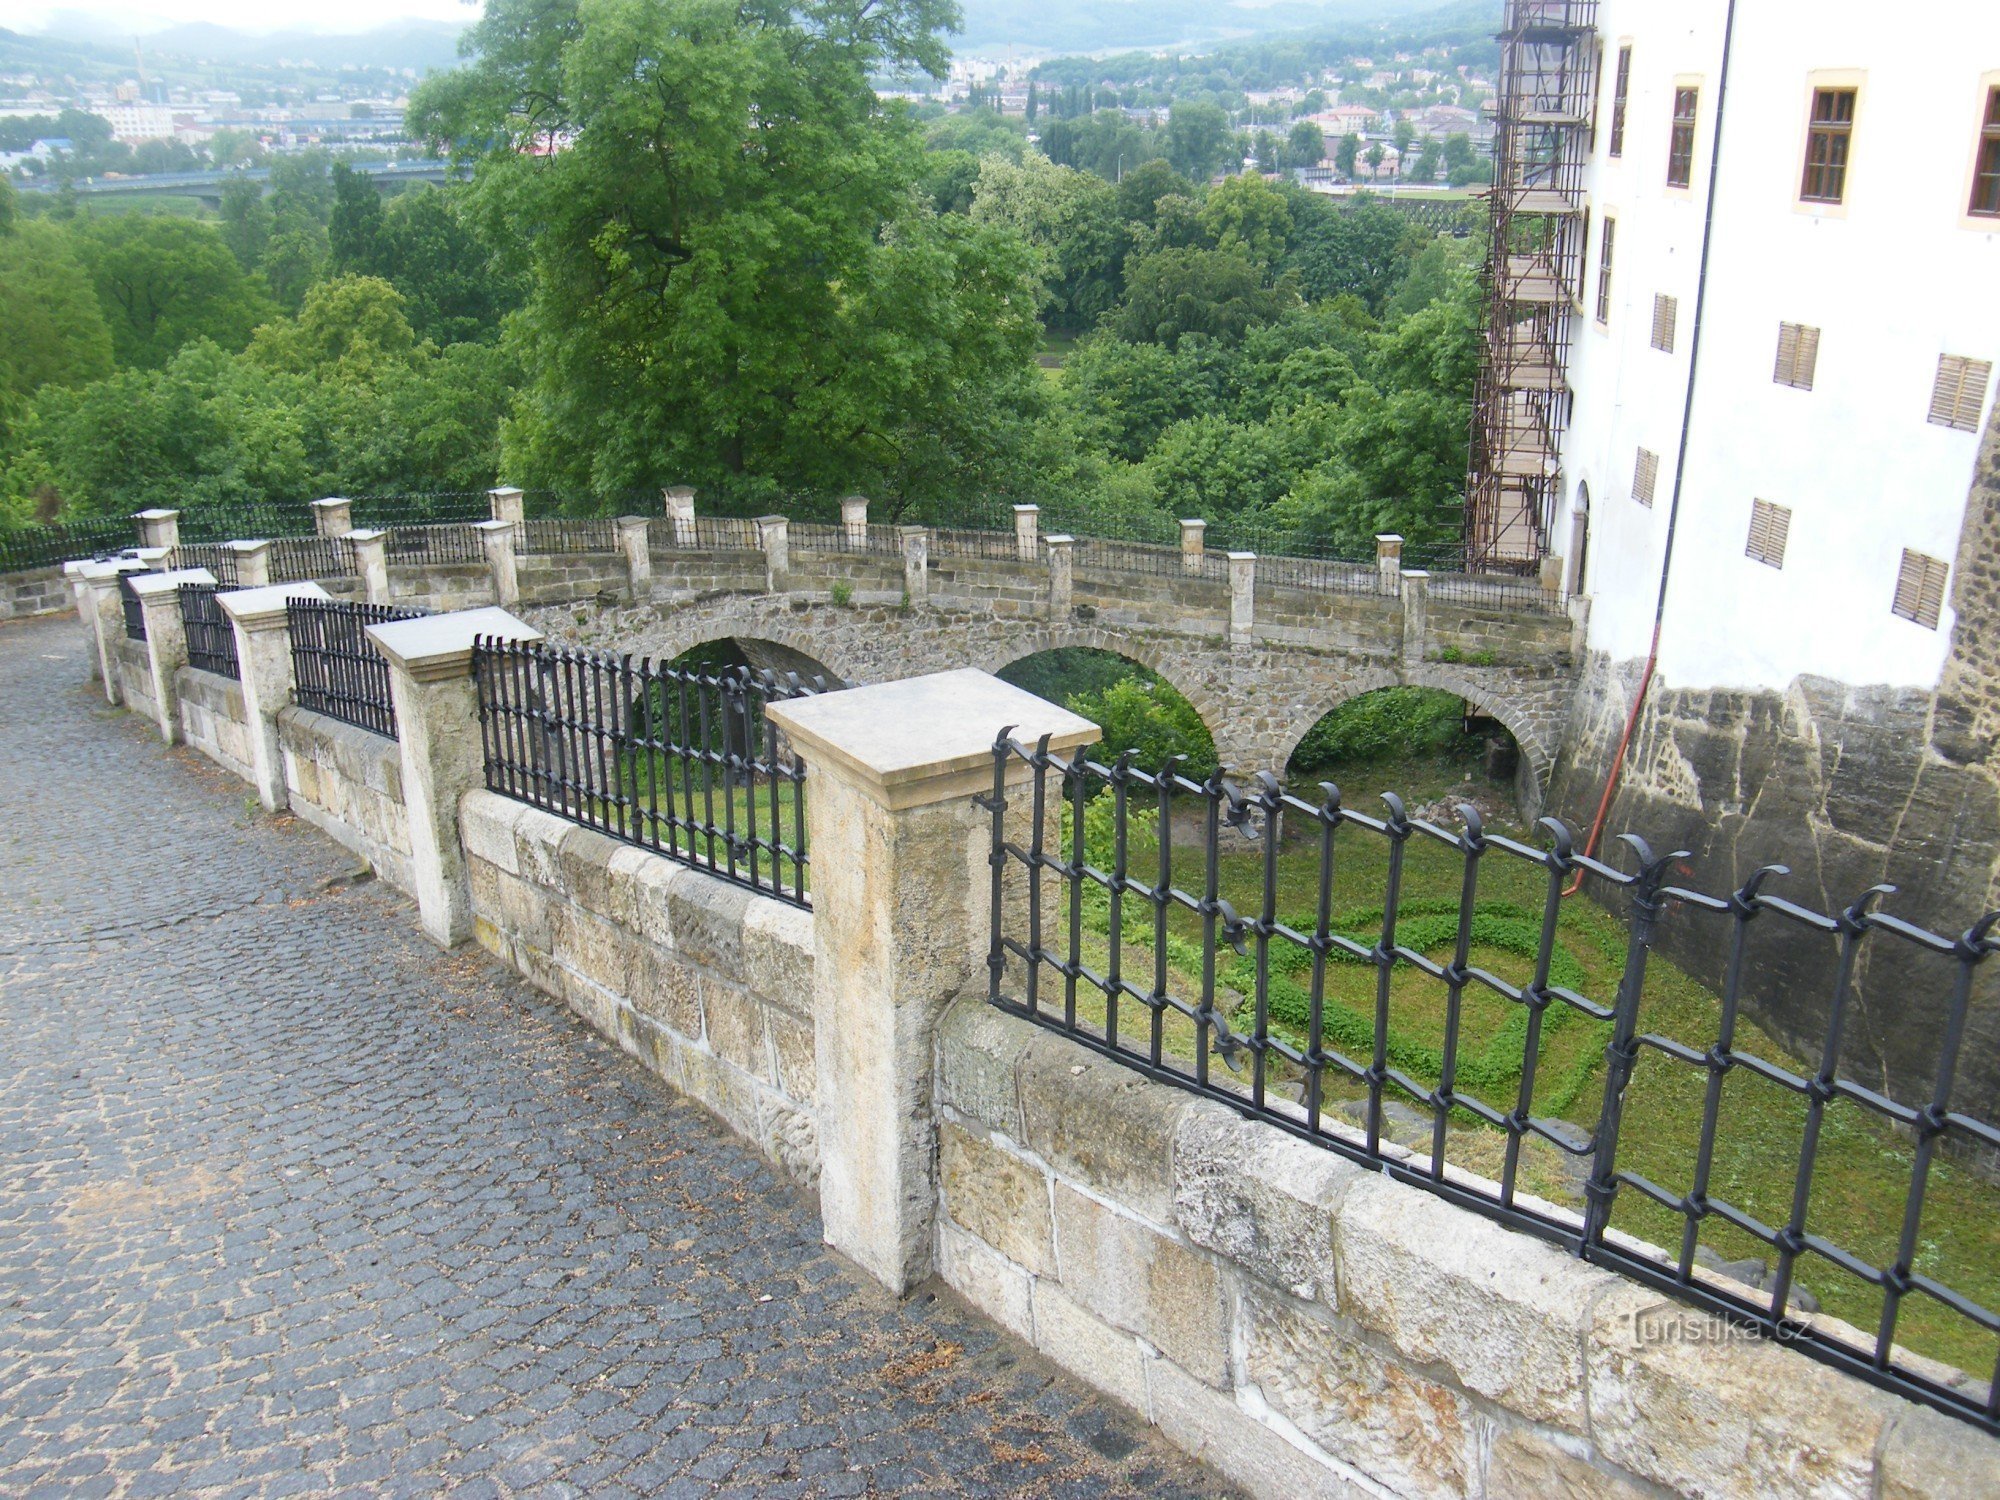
[(1169, 665), (766, 643)]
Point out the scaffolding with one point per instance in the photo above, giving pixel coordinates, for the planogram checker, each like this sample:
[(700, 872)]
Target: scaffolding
[(1532, 280)]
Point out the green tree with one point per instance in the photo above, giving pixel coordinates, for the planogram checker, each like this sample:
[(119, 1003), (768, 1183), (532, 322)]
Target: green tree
[(246, 222), (354, 324), (1246, 214), (732, 279), (1183, 290), (1405, 132), (1357, 247), (52, 331), (1197, 138), (1141, 189), (1430, 161), (1306, 145), (1345, 153), (355, 224), (163, 283), (1374, 156), (1147, 716), (1071, 220), (1459, 163), (9, 210), (452, 290)]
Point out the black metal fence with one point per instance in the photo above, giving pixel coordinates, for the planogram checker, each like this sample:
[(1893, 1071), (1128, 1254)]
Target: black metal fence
[(988, 546), (135, 612), (449, 542), (214, 556), (26, 547), (568, 534), (680, 762), (1258, 1002), (335, 670), (296, 559), (432, 508), (1452, 583), (245, 523), (814, 536), (211, 641)]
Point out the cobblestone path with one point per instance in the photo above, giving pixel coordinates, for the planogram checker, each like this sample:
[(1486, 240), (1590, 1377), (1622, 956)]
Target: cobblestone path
[(290, 1201)]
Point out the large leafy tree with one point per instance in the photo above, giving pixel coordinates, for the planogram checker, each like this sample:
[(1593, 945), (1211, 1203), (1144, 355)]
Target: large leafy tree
[(167, 282), (734, 280), (51, 331)]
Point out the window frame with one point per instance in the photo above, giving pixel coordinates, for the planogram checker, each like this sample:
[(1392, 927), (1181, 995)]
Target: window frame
[(1606, 253), (1621, 101), (1689, 89), (1817, 81), (1833, 131), (1985, 164)]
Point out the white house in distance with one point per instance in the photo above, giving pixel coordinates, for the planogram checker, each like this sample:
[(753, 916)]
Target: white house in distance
[(1811, 442)]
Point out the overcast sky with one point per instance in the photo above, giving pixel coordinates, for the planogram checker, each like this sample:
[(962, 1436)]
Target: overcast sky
[(141, 16)]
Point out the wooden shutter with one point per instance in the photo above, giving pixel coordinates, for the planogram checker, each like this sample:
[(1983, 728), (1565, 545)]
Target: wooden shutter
[(1920, 588), (1959, 392), (1645, 476), (1798, 355), (1770, 527), (1665, 310)]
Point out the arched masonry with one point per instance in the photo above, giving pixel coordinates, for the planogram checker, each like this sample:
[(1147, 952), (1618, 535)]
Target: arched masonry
[(1260, 664)]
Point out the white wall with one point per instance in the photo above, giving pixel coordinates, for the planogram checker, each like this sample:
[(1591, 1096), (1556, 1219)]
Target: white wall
[(1894, 278)]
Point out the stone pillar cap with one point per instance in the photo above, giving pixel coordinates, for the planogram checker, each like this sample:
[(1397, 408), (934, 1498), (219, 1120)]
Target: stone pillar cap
[(506, 489), (634, 521), (1059, 539), (169, 582), (1416, 575), (150, 555), (1241, 556), (1194, 521), (435, 648), (261, 608), (366, 533), (491, 525), (1021, 510), (911, 529), (156, 514), (333, 500), (922, 740), (100, 572), (246, 546), (772, 520), (1388, 536)]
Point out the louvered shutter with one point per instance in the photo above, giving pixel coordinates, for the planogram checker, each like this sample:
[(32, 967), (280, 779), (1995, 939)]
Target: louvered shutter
[(1645, 476), (1920, 588), (1770, 528), (1959, 391), (1665, 310)]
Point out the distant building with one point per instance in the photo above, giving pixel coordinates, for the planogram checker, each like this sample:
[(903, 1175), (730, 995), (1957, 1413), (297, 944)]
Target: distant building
[(133, 121)]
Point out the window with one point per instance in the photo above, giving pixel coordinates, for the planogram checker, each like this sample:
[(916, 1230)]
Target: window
[(1959, 391), (1985, 166), (1920, 589), (1770, 525), (1604, 272), (1619, 93), (1798, 354), (1680, 142), (1645, 476), (1665, 310), (1827, 141)]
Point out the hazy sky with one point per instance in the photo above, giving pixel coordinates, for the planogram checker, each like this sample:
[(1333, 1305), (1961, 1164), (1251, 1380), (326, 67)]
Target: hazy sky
[(138, 17)]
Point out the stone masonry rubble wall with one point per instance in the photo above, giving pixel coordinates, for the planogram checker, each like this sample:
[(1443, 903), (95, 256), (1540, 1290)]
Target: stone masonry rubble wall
[(1311, 1328), (349, 784), (42, 591), (212, 718), (708, 985)]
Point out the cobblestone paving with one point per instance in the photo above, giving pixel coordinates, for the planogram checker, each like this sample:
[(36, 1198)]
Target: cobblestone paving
[(290, 1201)]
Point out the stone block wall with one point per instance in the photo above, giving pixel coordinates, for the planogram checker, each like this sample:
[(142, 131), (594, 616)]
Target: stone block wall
[(349, 784), (441, 586), (1508, 638), (708, 985), (1311, 1328), (549, 577), (135, 676), (212, 718), (1366, 624), (1149, 602), (41, 591), (872, 576)]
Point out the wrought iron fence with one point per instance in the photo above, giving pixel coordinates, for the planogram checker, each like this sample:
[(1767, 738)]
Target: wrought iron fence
[(449, 542), (568, 534), (1131, 557), (26, 547), (1322, 575), (295, 559), (813, 536), (991, 546), (1246, 985), (724, 532), (680, 762), (433, 508), (244, 523), (211, 641), (1452, 582), (214, 556), (335, 669), (135, 612)]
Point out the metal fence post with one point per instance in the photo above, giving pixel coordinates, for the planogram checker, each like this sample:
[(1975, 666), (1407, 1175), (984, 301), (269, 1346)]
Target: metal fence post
[(900, 838), (437, 734)]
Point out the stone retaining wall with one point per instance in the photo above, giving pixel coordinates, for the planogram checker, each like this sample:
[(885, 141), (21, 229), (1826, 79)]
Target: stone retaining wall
[(441, 586), (548, 577), (1311, 1328), (706, 984), (212, 718), (42, 591), (349, 784), (135, 676)]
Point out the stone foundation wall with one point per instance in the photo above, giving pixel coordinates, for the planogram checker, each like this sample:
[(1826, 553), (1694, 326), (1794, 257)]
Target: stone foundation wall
[(135, 676), (441, 586), (1311, 1328), (349, 784), (212, 718), (42, 591), (547, 577), (708, 985)]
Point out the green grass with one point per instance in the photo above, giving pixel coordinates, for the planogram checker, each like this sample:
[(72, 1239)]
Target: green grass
[(1862, 1176)]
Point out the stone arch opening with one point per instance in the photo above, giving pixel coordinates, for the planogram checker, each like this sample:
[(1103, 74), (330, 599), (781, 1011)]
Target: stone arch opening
[(1432, 745), (760, 653), (1139, 708)]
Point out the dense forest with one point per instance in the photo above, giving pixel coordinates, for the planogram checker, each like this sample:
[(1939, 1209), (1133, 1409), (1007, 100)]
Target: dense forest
[(707, 253)]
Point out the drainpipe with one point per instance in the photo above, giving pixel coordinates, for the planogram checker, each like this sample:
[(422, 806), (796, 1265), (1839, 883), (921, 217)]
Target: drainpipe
[(1680, 459)]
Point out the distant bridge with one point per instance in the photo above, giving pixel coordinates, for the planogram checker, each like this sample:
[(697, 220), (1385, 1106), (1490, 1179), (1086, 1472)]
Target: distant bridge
[(208, 185)]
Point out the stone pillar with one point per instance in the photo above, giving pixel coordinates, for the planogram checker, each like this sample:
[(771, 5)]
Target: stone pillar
[(332, 516), (264, 667), (774, 535), (680, 510), (901, 888), (253, 563), (1389, 558), (916, 563), (154, 559), (507, 504), (371, 564), (166, 638), (1416, 615), (80, 595), (437, 732), (854, 516), (159, 528), (1027, 522), (104, 618), (1242, 596), (498, 536), (1193, 540), (1062, 575), (635, 541), (1554, 573)]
